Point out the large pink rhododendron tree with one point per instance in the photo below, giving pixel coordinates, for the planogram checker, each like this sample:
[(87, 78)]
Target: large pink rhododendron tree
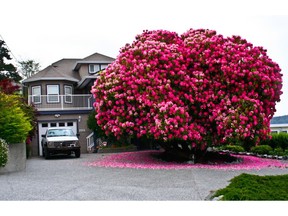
[(199, 89)]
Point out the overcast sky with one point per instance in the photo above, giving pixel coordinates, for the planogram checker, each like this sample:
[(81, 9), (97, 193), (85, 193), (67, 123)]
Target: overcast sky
[(49, 30)]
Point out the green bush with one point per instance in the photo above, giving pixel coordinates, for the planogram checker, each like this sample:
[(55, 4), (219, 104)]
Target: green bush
[(233, 148), (277, 151), (3, 153), (277, 141), (14, 123), (261, 149), (280, 140)]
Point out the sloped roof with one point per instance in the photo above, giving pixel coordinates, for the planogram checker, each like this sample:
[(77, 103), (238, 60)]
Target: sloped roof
[(94, 58), (66, 69), (98, 57), (279, 120), (60, 70)]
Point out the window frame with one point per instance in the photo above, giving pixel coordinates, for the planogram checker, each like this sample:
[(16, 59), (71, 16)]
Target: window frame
[(36, 95), (68, 95), (48, 95), (94, 71), (103, 66)]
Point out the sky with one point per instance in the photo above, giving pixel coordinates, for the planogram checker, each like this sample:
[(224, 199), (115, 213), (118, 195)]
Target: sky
[(49, 30)]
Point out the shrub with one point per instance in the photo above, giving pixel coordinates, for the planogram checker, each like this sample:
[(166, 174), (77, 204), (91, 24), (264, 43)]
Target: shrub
[(233, 148), (14, 123), (3, 152), (278, 151), (196, 87), (277, 141), (280, 140), (261, 149)]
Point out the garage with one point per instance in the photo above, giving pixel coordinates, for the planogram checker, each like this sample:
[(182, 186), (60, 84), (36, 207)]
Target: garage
[(43, 126)]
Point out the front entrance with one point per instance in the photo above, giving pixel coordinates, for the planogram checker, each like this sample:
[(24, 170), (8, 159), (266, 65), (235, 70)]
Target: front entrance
[(43, 126)]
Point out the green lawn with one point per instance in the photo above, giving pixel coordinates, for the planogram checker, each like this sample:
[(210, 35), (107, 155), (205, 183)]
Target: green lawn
[(253, 187)]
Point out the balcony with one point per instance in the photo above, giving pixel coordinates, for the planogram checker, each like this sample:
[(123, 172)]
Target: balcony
[(54, 102)]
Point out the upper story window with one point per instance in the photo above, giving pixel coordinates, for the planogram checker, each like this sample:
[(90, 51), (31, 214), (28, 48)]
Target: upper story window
[(103, 66), (94, 68), (36, 94), (53, 93), (68, 93)]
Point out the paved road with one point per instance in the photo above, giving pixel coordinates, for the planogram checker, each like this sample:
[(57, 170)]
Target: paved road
[(69, 179)]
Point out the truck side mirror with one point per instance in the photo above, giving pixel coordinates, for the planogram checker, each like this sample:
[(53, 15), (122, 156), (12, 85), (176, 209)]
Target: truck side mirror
[(43, 135)]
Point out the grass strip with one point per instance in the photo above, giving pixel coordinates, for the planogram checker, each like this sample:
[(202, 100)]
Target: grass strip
[(254, 187)]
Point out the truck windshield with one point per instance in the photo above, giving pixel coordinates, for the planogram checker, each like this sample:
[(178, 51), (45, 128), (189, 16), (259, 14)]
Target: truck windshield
[(60, 132)]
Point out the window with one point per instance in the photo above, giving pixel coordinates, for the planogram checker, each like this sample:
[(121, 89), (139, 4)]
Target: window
[(52, 93), (283, 131), (60, 132), (36, 94), (68, 94), (53, 125), (61, 124), (93, 68), (274, 132), (69, 124), (104, 66), (44, 124)]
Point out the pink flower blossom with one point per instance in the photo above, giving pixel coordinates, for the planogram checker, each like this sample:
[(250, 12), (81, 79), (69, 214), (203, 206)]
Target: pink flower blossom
[(147, 160), (206, 86)]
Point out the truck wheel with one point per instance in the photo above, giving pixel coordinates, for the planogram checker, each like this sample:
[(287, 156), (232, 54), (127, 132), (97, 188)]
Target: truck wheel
[(47, 154), (77, 153)]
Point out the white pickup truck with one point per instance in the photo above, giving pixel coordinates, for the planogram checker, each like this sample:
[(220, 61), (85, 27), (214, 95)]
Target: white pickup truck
[(60, 140)]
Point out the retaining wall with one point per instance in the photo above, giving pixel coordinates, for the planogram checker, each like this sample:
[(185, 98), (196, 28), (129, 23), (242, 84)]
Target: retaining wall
[(16, 158)]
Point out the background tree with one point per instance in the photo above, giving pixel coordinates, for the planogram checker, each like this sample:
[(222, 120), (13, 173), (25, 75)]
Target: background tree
[(17, 118), (7, 70), (8, 87), (9, 78), (29, 68), (189, 92)]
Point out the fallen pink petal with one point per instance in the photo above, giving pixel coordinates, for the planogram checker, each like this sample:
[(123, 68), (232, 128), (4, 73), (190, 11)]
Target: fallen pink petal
[(147, 160)]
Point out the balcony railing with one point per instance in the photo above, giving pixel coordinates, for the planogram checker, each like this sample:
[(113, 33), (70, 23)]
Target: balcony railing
[(61, 102)]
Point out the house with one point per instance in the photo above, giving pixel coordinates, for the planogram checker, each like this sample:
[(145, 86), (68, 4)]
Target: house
[(61, 95), (279, 124)]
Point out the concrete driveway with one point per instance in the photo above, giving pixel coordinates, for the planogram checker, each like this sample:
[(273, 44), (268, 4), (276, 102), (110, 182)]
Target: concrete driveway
[(67, 178)]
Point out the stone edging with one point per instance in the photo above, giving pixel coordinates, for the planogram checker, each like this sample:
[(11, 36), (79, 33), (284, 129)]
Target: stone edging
[(117, 150), (256, 155)]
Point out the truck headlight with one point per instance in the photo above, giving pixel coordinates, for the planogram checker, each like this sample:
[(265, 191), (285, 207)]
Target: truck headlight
[(50, 144), (74, 144)]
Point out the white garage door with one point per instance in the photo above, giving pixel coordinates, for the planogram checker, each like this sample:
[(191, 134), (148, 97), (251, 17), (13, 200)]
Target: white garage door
[(43, 126)]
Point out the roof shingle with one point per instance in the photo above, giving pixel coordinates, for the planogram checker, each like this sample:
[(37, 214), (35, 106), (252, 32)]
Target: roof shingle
[(279, 120)]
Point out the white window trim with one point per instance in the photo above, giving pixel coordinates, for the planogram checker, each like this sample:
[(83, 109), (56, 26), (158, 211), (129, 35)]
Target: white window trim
[(48, 101), (66, 94), (94, 71), (36, 95)]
